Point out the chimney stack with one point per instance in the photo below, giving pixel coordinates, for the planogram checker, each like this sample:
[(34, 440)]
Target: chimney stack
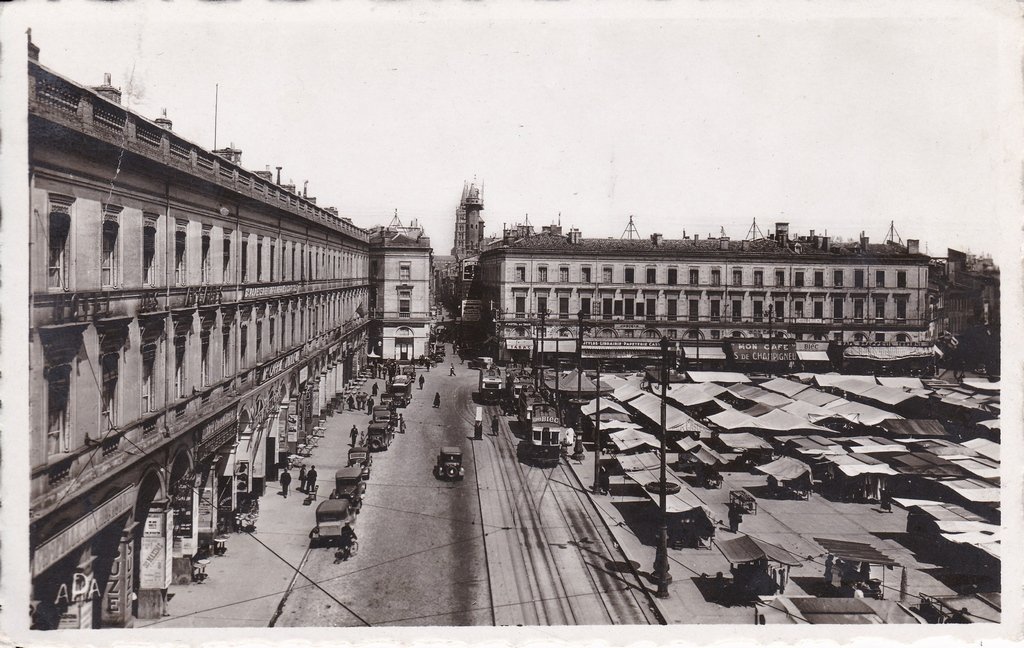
[(695, 237), (162, 120), (331, 210), (724, 243), (574, 236), (826, 243), (745, 245), (108, 91), (657, 239), (864, 240), (913, 246), (782, 233), (33, 49)]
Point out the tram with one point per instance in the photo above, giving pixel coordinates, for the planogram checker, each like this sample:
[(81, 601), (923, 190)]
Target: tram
[(544, 433), (490, 385)]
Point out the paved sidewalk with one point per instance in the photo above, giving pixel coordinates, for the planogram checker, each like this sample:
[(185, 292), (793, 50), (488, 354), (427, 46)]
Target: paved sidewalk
[(789, 524), (245, 586)]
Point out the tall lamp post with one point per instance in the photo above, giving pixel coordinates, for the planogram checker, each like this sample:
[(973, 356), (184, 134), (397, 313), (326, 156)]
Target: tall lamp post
[(662, 577), (597, 433), (577, 451), (538, 379), (771, 310)]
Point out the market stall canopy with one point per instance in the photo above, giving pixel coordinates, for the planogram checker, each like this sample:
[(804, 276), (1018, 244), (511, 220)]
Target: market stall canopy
[(691, 394), (887, 353), (813, 445), (627, 392), (974, 490), (925, 464), (649, 406), (984, 447), (683, 501), (889, 395), (608, 417), (853, 465), (873, 445), (855, 551), (982, 385), (785, 469), (839, 611), (574, 382), (835, 379), (819, 398), (807, 411), (731, 419), (606, 406), (745, 549), (717, 377), (784, 386), (992, 425), (782, 420), (639, 461), (743, 441), (913, 427), (861, 413), (907, 382), (620, 425), (699, 451), (626, 440)]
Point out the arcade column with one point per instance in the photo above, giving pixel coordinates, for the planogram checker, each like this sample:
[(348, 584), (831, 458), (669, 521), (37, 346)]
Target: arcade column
[(155, 560)]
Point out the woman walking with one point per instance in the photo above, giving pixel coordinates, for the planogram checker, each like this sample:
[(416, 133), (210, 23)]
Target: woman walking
[(437, 399)]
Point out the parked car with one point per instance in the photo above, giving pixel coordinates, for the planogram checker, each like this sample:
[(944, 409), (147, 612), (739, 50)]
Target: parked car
[(379, 435), (349, 485), (360, 456), (331, 518), (449, 464)]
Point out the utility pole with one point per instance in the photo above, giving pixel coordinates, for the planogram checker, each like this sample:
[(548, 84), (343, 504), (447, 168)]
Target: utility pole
[(597, 434), (661, 574), (577, 451), (538, 379), (771, 309)]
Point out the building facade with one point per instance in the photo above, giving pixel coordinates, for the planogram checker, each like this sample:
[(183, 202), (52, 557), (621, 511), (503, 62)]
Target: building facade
[(190, 321), (400, 295), (469, 227), (810, 290)]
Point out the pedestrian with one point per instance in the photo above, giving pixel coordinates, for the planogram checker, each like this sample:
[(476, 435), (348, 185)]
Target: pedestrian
[(302, 479), (351, 403), (437, 399), (421, 382), (494, 425), (401, 424), (735, 517), (354, 434), (451, 372), (311, 480), (603, 480), (374, 390), (369, 405), (286, 479)]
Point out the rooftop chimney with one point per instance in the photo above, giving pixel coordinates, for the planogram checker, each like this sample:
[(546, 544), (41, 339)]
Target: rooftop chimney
[(332, 210), (745, 245), (230, 153), (826, 243), (267, 174), (864, 240), (695, 237), (162, 120), (657, 239), (782, 233), (812, 234), (108, 91), (913, 246), (574, 236), (724, 242), (33, 50)]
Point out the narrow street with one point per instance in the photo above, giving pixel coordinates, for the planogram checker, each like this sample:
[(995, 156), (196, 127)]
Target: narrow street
[(508, 545)]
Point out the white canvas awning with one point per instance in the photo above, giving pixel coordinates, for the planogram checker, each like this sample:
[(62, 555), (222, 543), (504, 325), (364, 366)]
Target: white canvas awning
[(717, 377), (626, 440)]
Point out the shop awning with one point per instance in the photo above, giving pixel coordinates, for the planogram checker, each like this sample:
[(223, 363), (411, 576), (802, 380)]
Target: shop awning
[(627, 392), (731, 419), (785, 469), (691, 394), (887, 353), (705, 353), (683, 501), (717, 377), (606, 406), (779, 420), (746, 549), (853, 465), (913, 428), (855, 551), (229, 465), (813, 356), (984, 447)]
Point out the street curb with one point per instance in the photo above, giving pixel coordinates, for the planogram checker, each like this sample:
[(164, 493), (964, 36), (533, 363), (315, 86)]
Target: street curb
[(651, 600)]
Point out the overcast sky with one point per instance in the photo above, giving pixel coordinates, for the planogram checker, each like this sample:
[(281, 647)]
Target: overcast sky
[(695, 117)]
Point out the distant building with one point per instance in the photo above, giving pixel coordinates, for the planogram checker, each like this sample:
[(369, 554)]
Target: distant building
[(400, 296), (811, 290), (469, 227)]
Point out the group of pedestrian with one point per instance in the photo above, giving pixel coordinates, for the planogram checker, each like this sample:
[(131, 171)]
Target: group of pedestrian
[(358, 400), (307, 480)]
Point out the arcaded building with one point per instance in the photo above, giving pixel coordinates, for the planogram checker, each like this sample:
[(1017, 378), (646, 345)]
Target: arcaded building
[(809, 290), (190, 321)]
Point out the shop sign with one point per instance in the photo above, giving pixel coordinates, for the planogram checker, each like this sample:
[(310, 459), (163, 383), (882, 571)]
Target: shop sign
[(155, 557), (619, 342), (83, 587), (215, 434), (471, 310), (116, 609), (812, 345), (51, 551), (782, 351), (268, 371), (253, 292), (519, 344), (181, 502), (205, 510)]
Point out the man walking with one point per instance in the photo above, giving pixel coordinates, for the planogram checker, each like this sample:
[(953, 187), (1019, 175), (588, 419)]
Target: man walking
[(302, 479), (286, 479), (311, 480), (735, 517), (421, 382), (369, 405), (354, 434), (374, 390), (451, 372), (437, 399), (494, 425)]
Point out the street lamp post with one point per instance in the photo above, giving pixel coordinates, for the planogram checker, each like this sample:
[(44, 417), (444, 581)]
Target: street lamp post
[(771, 310), (577, 451), (662, 577), (597, 433), (539, 380)]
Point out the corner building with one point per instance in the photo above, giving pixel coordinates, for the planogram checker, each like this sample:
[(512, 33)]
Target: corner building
[(190, 322), (703, 292), (400, 295)]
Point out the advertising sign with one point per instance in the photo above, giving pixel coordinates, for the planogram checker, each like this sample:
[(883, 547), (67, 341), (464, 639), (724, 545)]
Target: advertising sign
[(58, 546), (204, 514), (117, 602), (155, 558), (781, 351), (471, 309)]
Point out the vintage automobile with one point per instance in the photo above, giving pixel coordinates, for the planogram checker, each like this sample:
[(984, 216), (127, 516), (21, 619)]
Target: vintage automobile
[(349, 485), (331, 517), (401, 389), (387, 400), (449, 464), (379, 435), (360, 456)]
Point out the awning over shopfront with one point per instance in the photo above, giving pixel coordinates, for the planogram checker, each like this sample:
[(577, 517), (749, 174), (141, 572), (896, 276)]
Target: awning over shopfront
[(888, 353), (704, 353), (229, 465), (785, 469), (813, 356)]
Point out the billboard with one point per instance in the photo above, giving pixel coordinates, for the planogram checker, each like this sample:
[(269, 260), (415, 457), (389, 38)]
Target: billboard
[(471, 309)]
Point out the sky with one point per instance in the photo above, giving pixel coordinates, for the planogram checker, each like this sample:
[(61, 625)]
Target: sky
[(689, 117)]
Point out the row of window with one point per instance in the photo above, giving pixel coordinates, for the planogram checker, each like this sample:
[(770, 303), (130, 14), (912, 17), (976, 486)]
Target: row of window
[(274, 259), (759, 311), (714, 278), (269, 335), (718, 334)]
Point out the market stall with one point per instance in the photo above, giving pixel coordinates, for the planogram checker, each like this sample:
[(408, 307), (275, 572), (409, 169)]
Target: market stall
[(789, 476), (758, 568), (855, 566)]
